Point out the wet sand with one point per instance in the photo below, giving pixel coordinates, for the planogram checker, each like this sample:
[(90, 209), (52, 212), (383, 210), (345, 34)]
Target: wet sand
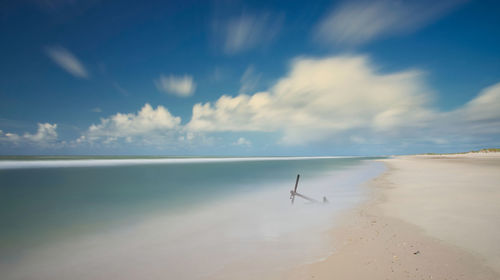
[(429, 217)]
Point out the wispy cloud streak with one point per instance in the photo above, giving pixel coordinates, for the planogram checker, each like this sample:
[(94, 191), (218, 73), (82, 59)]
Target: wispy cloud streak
[(247, 31), (67, 61), (182, 86), (357, 22)]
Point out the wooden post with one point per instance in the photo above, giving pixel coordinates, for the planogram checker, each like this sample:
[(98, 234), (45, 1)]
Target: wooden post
[(294, 193), (295, 189)]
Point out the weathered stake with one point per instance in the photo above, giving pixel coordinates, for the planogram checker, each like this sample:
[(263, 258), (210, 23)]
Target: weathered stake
[(295, 189), (294, 193)]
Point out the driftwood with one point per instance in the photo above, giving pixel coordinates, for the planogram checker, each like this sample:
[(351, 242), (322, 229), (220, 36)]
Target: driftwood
[(294, 193)]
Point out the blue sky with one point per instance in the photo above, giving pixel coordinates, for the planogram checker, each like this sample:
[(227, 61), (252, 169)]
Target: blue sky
[(248, 78)]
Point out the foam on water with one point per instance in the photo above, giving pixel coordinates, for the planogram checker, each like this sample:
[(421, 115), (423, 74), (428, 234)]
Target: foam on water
[(242, 236), (19, 164)]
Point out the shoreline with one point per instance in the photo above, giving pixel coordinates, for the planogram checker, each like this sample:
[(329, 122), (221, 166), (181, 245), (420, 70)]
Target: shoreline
[(379, 240), (391, 233), (9, 164), (240, 235)]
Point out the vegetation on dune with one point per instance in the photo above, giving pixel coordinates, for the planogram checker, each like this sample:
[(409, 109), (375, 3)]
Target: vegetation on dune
[(488, 150)]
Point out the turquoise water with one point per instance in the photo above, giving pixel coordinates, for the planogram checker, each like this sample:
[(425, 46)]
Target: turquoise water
[(45, 204)]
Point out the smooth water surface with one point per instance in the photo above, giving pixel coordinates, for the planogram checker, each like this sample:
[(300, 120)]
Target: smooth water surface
[(54, 208)]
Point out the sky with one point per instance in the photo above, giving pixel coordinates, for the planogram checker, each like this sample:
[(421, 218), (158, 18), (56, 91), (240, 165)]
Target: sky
[(248, 78)]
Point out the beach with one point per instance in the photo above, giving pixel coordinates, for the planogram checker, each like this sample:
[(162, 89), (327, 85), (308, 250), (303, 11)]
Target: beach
[(428, 217), (415, 217)]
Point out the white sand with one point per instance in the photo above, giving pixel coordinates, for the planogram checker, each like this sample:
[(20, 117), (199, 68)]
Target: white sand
[(455, 198), (429, 217)]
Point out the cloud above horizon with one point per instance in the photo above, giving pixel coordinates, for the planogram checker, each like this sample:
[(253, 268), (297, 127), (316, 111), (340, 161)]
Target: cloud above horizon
[(181, 86), (337, 99), (45, 136), (478, 117), (341, 98), (319, 98), (357, 22), (67, 61), (347, 99), (242, 141), (145, 126)]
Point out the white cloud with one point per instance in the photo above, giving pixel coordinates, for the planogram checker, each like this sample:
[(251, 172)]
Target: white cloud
[(46, 135), (247, 31), (356, 22), (148, 128), (320, 98), (485, 107), (242, 141), (480, 116), (12, 137), (343, 100), (182, 86), (148, 124), (66, 60), (96, 110)]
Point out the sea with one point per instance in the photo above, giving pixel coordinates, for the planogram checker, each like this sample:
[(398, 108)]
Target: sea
[(172, 217)]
